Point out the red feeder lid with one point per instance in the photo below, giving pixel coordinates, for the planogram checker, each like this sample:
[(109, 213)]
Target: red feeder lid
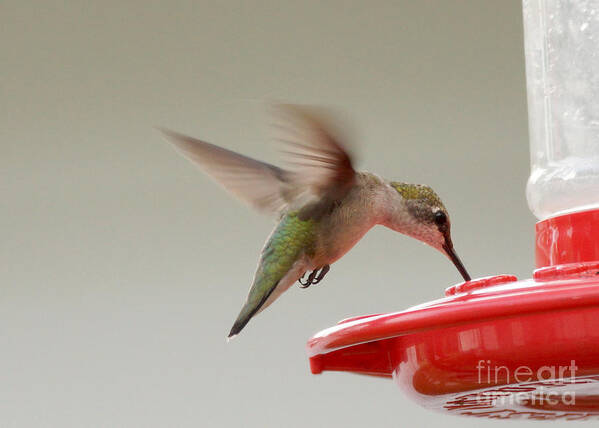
[(493, 346)]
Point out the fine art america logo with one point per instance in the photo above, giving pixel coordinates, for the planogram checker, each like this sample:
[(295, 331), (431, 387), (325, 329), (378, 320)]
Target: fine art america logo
[(489, 374), (537, 393)]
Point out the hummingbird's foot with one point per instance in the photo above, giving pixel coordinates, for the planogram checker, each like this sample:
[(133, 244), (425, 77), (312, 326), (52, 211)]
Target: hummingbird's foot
[(303, 284), (323, 271), (315, 276), (309, 281)]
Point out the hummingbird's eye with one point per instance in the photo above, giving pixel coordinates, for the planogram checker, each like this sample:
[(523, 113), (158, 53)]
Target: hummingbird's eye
[(440, 218)]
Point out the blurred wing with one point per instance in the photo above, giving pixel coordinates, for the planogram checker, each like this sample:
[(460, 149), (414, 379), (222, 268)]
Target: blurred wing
[(259, 184), (321, 163)]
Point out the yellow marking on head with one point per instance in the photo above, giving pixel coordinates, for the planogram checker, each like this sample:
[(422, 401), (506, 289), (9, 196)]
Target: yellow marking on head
[(418, 191)]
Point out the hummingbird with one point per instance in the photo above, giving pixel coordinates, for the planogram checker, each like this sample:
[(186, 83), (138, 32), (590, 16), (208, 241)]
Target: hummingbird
[(323, 205)]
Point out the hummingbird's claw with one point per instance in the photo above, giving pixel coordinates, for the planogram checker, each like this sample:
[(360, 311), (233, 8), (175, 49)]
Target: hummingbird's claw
[(309, 281), (305, 284), (323, 271), (315, 276)]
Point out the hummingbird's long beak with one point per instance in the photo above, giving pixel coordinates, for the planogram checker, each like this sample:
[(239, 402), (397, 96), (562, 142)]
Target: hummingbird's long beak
[(448, 247)]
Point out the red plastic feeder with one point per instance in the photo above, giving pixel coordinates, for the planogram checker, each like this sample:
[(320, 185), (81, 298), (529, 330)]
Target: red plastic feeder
[(493, 346), (497, 347)]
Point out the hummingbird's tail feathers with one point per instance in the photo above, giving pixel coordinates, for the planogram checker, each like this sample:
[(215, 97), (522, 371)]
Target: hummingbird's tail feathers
[(247, 312), (261, 185)]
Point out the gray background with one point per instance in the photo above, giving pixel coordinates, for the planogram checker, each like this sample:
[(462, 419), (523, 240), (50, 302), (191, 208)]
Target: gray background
[(123, 267)]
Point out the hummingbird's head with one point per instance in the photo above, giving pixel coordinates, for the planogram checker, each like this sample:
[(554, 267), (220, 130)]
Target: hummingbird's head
[(418, 212)]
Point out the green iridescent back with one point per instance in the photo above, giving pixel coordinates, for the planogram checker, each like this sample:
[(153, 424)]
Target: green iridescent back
[(292, 238)]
